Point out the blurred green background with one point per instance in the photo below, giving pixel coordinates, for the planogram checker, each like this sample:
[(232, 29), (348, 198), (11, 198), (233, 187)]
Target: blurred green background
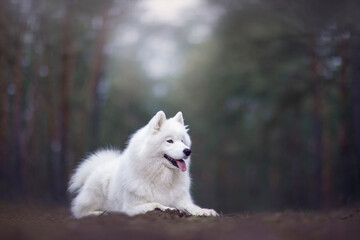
[(270, 90)]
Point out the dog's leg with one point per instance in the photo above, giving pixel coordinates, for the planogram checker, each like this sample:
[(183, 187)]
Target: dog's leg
[(145, 207), (86, 204)]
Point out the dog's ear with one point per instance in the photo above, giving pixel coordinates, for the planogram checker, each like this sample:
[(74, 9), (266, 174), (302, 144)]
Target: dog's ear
[(157, 121), (179, 117)]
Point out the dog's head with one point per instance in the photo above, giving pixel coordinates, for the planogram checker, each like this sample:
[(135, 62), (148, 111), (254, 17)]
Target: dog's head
[(170, 140)]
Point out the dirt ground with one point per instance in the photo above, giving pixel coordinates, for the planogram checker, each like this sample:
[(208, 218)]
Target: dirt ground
[(34, 221)]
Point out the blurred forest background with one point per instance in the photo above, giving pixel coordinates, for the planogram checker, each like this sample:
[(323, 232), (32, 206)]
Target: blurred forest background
[(270, 90)]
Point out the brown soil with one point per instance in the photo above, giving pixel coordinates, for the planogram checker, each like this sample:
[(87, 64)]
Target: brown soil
[(28, 221)]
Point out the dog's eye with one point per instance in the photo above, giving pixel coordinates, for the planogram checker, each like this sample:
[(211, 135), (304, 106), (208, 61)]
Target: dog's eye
[(170, 141), (182, 140)]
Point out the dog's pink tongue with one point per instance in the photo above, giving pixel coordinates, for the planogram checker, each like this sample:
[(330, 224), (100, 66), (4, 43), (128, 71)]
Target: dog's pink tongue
[(181, 164)]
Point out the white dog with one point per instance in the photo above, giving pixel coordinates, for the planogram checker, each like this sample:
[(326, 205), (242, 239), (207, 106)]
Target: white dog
[(152, 172)]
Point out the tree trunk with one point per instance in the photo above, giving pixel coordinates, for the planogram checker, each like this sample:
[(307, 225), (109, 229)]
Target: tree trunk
[(65, 84), (89, 118), (355, 101), (31, 130), (294, 149), (18, 112), (344, 147), (4, 103), (52, 119), (316, 121), (222, 170), (96, 72)]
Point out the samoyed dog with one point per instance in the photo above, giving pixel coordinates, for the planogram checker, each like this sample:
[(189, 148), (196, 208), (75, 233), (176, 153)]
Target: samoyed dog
[(152, 172)]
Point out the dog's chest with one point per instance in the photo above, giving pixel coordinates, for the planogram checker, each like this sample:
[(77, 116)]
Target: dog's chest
[(166, 191), (165, 195)]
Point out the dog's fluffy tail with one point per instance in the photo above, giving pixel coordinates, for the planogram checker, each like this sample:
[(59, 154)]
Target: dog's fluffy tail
[(91, 163)]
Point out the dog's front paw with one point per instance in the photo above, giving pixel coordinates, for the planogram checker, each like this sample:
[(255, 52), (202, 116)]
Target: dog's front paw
[(203, 212), (164, 208)]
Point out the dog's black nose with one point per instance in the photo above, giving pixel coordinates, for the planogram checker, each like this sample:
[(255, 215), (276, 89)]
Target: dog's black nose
[(187, 152)]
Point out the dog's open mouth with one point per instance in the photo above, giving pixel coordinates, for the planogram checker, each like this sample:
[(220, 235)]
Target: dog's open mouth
[(179, 163)]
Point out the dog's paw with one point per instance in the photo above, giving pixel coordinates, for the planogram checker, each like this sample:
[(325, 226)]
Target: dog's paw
[(203, 212), (164, 208), (96, 213)]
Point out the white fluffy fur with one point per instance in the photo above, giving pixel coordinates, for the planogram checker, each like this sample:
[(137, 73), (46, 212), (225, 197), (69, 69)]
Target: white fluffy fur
[(140, 179)]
